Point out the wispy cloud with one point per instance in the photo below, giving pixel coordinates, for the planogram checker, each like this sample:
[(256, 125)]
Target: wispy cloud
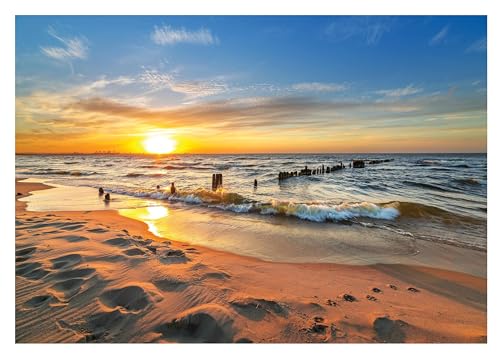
[(399, 92), (73, 48), (157, 81), (167, 35), (440, 36), (319, 87), (369, 28), (477, 46)]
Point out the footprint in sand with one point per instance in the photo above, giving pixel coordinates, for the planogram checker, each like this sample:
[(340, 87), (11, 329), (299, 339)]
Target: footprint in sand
[(72, 238), (330, 302), (66, 261), (209, 323), (371, 298), (24, 254), (393, 287), (31, 270), (412, 289), (134, 252), (169, 256), (26, 251), (349, 298), (38, 301), (218, 275), (100, 327), (389, 331), (74, 273), (68, 288), (257, 309), (170, 284), (98, 230), (131, 298), (118, 241)]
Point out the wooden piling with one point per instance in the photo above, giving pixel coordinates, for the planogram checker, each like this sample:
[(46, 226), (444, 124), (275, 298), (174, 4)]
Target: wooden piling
[(216, 181)]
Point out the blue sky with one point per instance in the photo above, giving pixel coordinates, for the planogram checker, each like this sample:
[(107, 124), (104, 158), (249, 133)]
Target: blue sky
[(382, 78)]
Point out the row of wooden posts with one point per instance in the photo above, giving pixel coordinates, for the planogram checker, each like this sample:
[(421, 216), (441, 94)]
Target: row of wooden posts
[(322, 170), (217, 178), (306, 171)]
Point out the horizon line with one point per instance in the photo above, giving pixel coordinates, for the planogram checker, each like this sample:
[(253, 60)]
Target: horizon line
[(247, 153)]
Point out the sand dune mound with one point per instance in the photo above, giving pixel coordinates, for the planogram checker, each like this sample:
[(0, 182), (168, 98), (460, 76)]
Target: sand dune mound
[(131, 298), (208, 323)]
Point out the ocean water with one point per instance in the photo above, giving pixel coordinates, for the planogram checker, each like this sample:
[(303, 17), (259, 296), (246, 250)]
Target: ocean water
[(428, 197)]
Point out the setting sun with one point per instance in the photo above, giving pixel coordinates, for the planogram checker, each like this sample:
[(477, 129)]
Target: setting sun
[(159, 144)]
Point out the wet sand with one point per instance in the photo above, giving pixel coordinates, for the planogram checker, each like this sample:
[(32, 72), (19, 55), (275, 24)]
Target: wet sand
[(96, 276)]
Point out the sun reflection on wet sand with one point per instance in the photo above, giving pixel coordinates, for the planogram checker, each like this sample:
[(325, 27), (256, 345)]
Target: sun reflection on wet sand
[(148, 215)]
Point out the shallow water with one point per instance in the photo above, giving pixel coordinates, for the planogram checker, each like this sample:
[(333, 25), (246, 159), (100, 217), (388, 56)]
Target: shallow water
[(437, 197)]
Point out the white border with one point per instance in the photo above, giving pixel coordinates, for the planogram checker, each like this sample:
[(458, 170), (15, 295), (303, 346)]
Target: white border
[(8, 9)]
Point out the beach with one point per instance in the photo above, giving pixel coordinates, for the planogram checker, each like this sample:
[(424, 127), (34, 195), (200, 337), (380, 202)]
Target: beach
[(98, 276)]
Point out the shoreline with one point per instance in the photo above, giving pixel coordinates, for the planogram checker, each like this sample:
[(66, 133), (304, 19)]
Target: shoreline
[(141, 283)]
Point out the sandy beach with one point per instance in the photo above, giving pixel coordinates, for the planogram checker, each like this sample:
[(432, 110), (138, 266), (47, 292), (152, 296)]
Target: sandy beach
[(96, 276)]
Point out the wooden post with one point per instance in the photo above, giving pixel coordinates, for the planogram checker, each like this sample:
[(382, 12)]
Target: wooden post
[(213, 182)]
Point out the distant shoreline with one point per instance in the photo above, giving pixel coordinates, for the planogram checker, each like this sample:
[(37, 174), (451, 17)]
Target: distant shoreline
[(263, 153)]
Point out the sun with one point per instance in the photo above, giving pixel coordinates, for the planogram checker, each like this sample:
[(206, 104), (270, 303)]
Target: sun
[(159, 144)]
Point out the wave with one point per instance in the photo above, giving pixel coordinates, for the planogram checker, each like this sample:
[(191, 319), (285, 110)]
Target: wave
[(60, 172), (234, 202), (173, 167), (467, 181), (428, 162), (428, 212), (426, 186), (71, 162)]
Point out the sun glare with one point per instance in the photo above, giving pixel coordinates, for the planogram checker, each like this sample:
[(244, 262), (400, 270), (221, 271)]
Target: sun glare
[(159, 144)]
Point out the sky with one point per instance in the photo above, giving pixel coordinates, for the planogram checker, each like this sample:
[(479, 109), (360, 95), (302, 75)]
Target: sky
[(251, 84)]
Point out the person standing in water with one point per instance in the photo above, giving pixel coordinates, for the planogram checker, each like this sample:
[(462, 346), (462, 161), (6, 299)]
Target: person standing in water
[(172, 189)]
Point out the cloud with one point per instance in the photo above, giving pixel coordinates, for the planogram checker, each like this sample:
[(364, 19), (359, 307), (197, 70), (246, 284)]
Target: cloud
[(477, 46), (166, 35), (440, 36), (319, 87), (369, 28), (399, 92), (192, 88), (73, 48), (274, 112)]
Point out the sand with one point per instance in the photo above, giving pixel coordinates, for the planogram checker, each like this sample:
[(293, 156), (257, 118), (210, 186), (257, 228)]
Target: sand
[(96, 276)]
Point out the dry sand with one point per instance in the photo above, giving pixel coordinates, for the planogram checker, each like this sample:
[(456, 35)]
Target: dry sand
[(100, 277)]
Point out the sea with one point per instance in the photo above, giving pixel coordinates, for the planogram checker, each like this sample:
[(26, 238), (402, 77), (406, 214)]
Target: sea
[(440, 198)]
